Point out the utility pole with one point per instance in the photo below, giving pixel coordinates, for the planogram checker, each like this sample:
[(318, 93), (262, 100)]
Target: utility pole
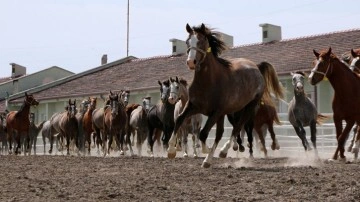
[(127, 37)]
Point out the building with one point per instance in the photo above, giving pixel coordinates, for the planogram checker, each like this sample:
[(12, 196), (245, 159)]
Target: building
[(141, 75)]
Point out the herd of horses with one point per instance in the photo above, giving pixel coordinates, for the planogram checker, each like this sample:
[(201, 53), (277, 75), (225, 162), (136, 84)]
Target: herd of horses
[(237, 88)]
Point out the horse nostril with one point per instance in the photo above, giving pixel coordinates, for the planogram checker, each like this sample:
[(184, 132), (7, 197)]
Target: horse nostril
[(194, 62)]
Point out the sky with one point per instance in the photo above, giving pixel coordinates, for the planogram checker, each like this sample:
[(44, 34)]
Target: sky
[(74, 34)]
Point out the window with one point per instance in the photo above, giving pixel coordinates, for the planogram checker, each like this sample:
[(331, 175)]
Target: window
[(265, 34), (174, 49)]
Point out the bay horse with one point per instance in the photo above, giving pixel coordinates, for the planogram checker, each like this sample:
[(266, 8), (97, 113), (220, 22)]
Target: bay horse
[(115, 121), (34, 131), (264, 121), (192, 124), (161, 118), (138, 124), (87, 121), (79, 117), (18, 122), (346, 96), (302, 112), (232, 87), (66, 124)]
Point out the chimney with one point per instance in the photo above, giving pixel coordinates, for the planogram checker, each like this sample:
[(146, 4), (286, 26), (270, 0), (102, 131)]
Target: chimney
[(270, 32), (178, 46), (104, 59), (228, 39), (17, 70)]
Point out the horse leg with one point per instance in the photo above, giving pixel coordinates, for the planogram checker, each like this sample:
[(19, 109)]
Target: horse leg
[(67, 144), (128, 140), (34, 140), (300, 131), (338, 128), (9, 139), (184, 137), (249, 129), (343, 137), (18, 142), (355, 148), (313, 136), (224, 149), (187, 112), (151, 140), (275, 144), (260, 135), (219, 119)]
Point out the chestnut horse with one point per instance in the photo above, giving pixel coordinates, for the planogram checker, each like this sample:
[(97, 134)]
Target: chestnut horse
[(87, 123), (192, 124), (302, 112), (346, 100), (221, 87), (18, 122)]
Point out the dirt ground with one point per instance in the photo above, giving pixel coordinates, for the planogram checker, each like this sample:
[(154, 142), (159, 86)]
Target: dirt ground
[(125, 178)]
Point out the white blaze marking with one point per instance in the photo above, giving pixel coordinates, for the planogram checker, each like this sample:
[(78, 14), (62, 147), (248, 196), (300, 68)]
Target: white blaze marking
[(192, 43)]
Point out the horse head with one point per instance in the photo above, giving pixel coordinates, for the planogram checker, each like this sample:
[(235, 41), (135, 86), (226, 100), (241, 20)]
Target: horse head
[(71, 108), (146, 102), (32, 118), (114, 103), (92, 104), (298, 82), (201, 42), (355, 59), (125, 95), (174, 90), (84, 105), (322, 66), (30, 100), (164, 90)]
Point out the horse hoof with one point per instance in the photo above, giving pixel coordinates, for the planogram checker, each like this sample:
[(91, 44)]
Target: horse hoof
[(186, 155), (349, 149), (222, 154), (355, 150), (241, 148), (178, 149), (205, 165), (121, 152), (235, 147), (171, 155)]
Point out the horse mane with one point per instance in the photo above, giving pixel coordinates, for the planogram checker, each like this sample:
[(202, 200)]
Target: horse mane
[(300, 72), (22, 107), (183, 82), (216, 44)]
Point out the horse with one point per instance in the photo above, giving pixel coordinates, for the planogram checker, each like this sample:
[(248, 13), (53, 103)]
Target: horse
[(66, 124), (34, 131), (264, 121), (115, 121), (161, 118), (232, 87), (346, 96), (192, 124), (79, 117), (138, 124), (18, 122), (98, 119), (302, 112), (86, 122), (46, 132)]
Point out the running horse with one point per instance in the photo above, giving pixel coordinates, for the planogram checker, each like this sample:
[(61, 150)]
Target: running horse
[(232, 87), (115, 121), (18, 122), (192, 124), (302, 112), (161, 118), (346, 96), (87, 121), (34, 131)]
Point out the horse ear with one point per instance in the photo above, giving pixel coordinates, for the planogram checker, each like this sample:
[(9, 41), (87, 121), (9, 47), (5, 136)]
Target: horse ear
[(292, 73), (188, 29), (177, 79), (159, 82), (353, 53), (26, 94), (316, 53), (329, 51), (111, 93), (203, 28), (69, 101)]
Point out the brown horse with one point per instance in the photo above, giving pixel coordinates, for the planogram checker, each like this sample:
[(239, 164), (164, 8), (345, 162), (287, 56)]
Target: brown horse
[(87, 122), (79, 117), (34, 131), (115, 121), (66, 125), (346, 95), (264, 121), (222, 87), (18, 122)]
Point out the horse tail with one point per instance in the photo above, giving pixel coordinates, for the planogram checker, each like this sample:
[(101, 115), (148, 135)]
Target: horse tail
[(272, 84), (321, 118), (277, 120)]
